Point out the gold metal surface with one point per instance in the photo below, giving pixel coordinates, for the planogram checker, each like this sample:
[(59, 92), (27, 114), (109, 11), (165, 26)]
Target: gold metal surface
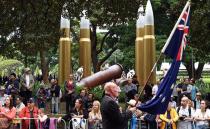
[(64, 56), (139, 56), (149, 53), (85, 52)]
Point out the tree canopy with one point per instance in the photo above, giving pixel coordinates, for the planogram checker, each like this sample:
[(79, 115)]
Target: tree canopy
[(31, 28)]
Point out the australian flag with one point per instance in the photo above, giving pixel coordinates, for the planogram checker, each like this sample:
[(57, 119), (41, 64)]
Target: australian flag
[(174, 49)]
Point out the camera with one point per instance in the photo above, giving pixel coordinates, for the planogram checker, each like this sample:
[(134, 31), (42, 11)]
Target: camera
[(182, 117)]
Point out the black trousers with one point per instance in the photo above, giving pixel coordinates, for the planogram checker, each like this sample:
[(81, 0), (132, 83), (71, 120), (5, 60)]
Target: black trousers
[(69, 98)]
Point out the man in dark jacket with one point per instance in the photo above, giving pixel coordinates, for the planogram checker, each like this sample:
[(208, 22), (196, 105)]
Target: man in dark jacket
[(55, 94), (112, 117), (12, 87)]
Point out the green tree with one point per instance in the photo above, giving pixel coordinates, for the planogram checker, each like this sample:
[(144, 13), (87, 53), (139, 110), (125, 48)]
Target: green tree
[(198, 50), (33, 27), (200, 28)]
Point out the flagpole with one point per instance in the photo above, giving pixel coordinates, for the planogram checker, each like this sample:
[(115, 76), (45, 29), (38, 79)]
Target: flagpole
[(192, 65), (153, 68), (174, 29)]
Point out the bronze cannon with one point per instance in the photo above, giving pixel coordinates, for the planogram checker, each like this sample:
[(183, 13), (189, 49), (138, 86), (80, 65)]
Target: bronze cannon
[(101, 77)]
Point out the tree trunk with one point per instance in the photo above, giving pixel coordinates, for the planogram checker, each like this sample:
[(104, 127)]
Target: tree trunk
[(94, 54), (190, 69), (199, 71), (192, 72), (44, 65)]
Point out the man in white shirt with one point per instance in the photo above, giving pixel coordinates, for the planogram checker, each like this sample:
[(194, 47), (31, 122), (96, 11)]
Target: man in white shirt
[(185, 115), (27, 83)]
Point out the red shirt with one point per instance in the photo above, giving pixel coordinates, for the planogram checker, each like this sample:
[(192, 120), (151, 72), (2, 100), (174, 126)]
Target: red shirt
[(70, 85)]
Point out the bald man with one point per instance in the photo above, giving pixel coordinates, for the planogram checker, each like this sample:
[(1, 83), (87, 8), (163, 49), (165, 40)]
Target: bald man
[(112, 117), (186, 114)]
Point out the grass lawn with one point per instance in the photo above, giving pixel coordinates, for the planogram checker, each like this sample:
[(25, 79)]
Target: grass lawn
[(206, 80)]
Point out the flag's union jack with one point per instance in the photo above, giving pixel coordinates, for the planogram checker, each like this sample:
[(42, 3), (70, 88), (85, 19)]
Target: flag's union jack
[(183, 26), (177, 44)]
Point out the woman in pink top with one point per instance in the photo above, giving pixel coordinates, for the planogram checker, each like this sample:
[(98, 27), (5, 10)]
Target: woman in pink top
[(7, 113)]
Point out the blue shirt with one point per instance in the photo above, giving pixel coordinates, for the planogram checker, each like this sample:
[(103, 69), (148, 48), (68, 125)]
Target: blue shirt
[(193, 92)]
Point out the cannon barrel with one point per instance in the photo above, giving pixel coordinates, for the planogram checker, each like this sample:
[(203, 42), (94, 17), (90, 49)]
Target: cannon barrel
[(102, 77), (121, 81)]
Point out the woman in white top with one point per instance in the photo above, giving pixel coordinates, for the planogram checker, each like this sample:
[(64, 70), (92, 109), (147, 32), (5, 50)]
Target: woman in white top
[(95, 117), (202, 116)]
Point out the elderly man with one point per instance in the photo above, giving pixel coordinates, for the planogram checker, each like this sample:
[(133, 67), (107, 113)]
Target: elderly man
[(27, 83), (185, 114), (112, 117)]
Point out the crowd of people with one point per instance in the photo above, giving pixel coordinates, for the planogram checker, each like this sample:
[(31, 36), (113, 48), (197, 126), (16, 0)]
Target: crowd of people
[(186, 109), (21, 103)]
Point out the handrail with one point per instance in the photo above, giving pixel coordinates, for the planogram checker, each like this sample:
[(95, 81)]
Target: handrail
[(84, 122), (81, 119), (38, 122)]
